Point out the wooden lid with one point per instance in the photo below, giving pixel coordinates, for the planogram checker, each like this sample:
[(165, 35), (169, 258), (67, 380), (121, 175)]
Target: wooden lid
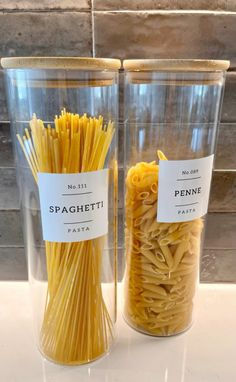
[(178, 65), (83, 63)]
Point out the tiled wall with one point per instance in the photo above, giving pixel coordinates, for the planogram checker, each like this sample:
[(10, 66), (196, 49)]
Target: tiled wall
[(134, 29)]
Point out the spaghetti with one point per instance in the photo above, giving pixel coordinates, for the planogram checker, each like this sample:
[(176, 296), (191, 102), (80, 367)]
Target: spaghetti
[(76, 326), (161, 259)]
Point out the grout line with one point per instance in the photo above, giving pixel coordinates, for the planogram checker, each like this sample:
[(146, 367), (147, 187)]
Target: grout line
[(47, 10), (218, 212), (9, 209), (87, 10), (11, 246), (227, 170), (208, 280), (173, 11), (7, 167), (218, 249)]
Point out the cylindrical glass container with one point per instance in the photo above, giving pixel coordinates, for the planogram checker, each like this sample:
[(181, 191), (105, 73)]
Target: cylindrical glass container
[(63, 115), (172, 110)]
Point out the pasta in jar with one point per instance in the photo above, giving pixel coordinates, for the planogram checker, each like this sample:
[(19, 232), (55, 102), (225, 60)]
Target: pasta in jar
[(74, 306), (161, 259), (64, 113)]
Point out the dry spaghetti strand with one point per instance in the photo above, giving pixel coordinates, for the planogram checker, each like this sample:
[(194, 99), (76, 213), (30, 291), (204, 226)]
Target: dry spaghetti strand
[(76, 326)]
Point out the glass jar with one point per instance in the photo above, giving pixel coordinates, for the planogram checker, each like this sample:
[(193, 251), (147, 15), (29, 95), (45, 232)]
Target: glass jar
[(63, 114), (172, 110)]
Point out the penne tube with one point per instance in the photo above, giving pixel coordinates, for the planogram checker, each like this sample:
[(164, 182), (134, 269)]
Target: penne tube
[(162, 259)]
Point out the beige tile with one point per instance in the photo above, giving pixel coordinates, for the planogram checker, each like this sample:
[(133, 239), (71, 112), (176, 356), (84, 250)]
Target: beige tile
[(218, 265), (218, 260), (6, 154), (229, 101), (10, 228), (225, 150), (225, 157), (165, 34), (225, 5), (14, 5), (45, 33), (13, 264), (3, 103), (222, 196), (223, 192), (9, 195), (220, 231)]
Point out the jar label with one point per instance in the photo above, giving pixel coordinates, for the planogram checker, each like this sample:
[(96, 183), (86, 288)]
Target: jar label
[(74, 207), (183, 189)]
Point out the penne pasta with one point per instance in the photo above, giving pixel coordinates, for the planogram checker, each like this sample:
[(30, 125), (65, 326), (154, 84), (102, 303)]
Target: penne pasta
[(162, 259)]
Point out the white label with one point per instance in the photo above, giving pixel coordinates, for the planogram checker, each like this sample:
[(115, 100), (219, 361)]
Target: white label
[(74, 207), (183, 189)]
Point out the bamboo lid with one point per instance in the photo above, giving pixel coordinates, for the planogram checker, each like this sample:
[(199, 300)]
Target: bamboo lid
[(83, 63), (179, 65)]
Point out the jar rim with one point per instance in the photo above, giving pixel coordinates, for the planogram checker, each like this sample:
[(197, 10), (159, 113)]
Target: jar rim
[(80, 63), (176, 65)]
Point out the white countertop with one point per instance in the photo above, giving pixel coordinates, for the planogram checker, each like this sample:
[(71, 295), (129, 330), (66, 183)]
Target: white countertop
[(205, 353)]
